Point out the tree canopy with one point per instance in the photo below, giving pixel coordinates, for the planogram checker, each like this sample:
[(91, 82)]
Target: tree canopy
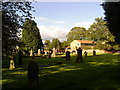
[(98, 31), (13, 14), (76, 33), (55, 43), (47, 44), (64, 44), (31, 35), (112, 13)]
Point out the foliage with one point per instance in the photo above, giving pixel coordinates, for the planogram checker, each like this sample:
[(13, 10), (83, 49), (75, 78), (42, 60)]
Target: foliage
[(64, 44), (55, 43), (99, 32), (31, 35), (104, 46), (47, 44), (13, 14), (112, 13), (76, 33), (116, 47)]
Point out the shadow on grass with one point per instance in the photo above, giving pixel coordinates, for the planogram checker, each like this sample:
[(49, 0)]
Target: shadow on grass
[(96, 72)]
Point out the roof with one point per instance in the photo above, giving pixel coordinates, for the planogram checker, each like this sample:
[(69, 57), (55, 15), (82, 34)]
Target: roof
[(85, 41), (67, 47)]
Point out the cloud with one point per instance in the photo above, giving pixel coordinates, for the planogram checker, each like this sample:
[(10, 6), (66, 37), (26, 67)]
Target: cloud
[(49, 20), (41, 18), (54, 31), (83, 24)]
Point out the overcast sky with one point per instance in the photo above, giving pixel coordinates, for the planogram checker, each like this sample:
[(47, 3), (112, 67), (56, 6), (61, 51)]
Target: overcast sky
[(56, 19)]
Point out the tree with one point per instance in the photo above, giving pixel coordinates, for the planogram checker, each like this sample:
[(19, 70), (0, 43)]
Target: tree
[(47, 44), (13, 14), (55, 43), (64, 44), (99, 32), (76, 33), (112, 13), (31, 35)]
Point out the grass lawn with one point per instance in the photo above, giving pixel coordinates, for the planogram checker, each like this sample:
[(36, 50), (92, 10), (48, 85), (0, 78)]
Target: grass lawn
[(99, 72)]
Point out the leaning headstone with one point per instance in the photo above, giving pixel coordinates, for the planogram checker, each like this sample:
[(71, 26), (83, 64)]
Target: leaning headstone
[(85, 53), (12, 63), (20, 57), (31, 53), (79, 58), (54, 52), (68, 56), (39, 52), (94, 53), (33, 70)]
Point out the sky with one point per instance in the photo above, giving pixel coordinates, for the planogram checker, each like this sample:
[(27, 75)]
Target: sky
[(56, 19)]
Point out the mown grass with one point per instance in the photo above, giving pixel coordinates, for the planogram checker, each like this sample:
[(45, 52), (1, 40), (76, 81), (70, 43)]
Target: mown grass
[(97, 72)]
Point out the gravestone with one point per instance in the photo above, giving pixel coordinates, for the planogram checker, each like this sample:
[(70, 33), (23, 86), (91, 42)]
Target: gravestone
[(50, 53), (12, 63), (85, 53), (31, 53), (79, 58), (67, 56), (39, 52), (33, 70), (20, 57), (94, 53), (54, 52)]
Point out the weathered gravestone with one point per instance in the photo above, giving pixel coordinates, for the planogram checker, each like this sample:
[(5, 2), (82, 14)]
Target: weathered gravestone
[(12, 63), (39, 52), (85, 53), (94, 53), (54, 52), (31, 53), (67, 56), (33, 70), (79, 58), (20, 57)]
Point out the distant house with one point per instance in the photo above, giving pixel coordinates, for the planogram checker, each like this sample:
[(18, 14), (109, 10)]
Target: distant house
[(82, 43)]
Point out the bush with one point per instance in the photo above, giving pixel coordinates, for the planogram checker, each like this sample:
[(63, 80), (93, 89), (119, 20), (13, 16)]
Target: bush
[(104, 46), (116, 47)]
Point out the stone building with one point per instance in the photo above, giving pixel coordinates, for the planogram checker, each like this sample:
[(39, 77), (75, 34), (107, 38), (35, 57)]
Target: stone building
[(82, 43)]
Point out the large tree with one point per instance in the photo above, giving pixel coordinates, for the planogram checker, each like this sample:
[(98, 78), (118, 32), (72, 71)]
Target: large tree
[(112, 13), (98, 31), (13, 14), (47, 44), (76, 33), (55, 43), (31, 35)]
